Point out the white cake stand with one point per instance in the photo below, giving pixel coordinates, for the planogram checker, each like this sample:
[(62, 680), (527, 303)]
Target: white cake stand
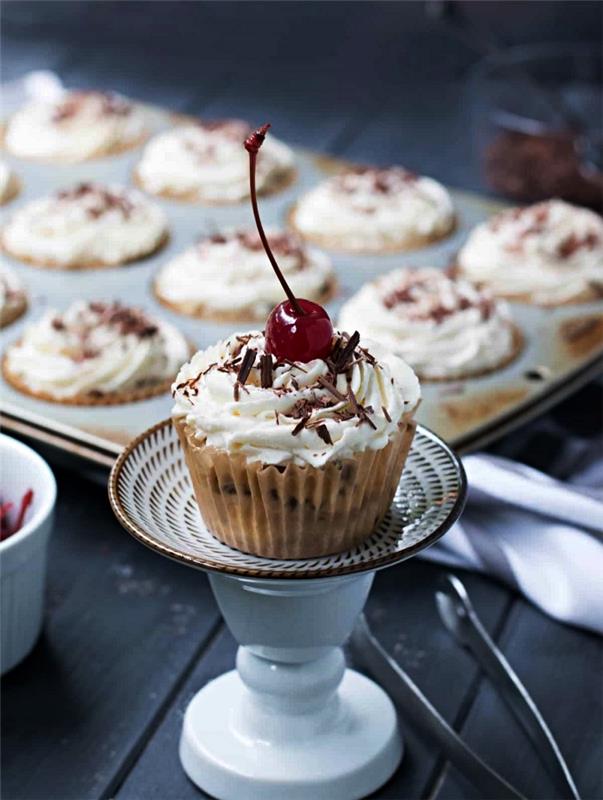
[(291, 722)]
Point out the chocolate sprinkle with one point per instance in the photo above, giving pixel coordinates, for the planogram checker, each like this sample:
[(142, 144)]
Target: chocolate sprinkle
[(300, 425), (330, 387), (347, 352), (386, 413), (266, 371), (246, 366), (324, 434)]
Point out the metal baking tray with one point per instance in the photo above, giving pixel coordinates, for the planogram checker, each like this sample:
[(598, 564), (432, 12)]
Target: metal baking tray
[(563, 347)]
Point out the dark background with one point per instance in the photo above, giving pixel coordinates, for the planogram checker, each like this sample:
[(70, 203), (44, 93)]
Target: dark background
[(306, 66), (95, 711)]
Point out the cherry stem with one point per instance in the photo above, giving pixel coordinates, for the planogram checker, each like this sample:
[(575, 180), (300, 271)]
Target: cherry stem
[(252, 145)]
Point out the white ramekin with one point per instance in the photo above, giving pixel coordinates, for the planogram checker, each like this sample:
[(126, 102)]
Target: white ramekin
[(23, 555)]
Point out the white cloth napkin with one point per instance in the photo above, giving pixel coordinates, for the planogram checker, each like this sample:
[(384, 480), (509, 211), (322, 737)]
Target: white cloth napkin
[(541, 536)]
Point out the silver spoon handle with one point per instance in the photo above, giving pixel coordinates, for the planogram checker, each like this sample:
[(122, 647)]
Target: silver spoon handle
[(460, 618), (415, 706)]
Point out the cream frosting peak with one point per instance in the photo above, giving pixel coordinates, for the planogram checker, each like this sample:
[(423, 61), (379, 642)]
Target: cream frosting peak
[(372, 208), (206, 161), (75, 126), (99, 348), (87, 224), (444, 328), (551, 251), (229, 272), (307, 413)]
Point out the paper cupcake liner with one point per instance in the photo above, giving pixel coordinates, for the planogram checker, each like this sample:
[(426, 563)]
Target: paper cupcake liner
[(412, 241), (291, 511)]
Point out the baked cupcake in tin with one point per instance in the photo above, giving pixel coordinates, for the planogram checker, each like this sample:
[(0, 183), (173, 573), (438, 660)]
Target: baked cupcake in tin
[(13, 300), (77, 126), (95, 353), (549, 254), (88, 225), (205, 163), (374, 210), (445, 328), (227, 276), (294, 459), (9, 184)]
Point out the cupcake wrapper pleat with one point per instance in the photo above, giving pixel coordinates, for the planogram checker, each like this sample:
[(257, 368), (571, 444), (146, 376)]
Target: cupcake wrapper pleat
[(292, 511)]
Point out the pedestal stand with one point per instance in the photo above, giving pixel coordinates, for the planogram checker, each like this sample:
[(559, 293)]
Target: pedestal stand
[(291, 722)]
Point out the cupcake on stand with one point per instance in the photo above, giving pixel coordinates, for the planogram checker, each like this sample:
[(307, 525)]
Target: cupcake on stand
[(292, 440)]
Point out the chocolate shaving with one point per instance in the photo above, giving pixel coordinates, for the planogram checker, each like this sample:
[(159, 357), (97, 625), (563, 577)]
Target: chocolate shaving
[(266, 371), (300, 425), (324, 434), (359, 410), (330, 387), (347, 352), (246, 366), (236, 392)]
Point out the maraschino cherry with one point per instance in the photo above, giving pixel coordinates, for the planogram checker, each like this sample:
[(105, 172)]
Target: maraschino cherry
[(296, 330)]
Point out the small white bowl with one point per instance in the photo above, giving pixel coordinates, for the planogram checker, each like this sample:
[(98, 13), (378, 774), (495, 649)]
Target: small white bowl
[(23, 555)]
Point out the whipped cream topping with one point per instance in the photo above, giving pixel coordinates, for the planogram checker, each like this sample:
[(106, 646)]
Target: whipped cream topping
[(12, 294), (76, 126), (230, 272), (7, 182), (96, 349), (87, 224), (206, 161), (551, 251), (240, 399), (443, 328), (370, 208)]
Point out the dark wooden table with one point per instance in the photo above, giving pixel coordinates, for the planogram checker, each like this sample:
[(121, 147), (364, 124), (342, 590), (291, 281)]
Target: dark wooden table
[(95, 711)]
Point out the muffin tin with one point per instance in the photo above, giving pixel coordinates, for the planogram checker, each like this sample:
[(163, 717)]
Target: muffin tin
[(563, 347)]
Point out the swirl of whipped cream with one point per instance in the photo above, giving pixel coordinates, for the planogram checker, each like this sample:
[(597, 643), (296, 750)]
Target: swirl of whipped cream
[(295, 418), (206, 162), (549, 253), (95, 348), (86, 225), (75, 127), (375, 209), (229, 274), (12, 296), (9, 184), (444, 328)]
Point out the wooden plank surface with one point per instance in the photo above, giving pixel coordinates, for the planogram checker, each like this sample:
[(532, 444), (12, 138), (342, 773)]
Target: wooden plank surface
[(402, 613), (122, 628)]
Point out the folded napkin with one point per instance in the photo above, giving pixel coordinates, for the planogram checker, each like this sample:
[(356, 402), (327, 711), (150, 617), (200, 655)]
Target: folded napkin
[(539, 535)]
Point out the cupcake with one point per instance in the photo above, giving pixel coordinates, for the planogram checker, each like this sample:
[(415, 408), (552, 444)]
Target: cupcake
[(13, 301), (89, 225), (295, 437), (75, 127), (204, 163), (9, 183), (446, 329), (95, 354), (549, 254), (372, 210), (294, 459), (228, 277)]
